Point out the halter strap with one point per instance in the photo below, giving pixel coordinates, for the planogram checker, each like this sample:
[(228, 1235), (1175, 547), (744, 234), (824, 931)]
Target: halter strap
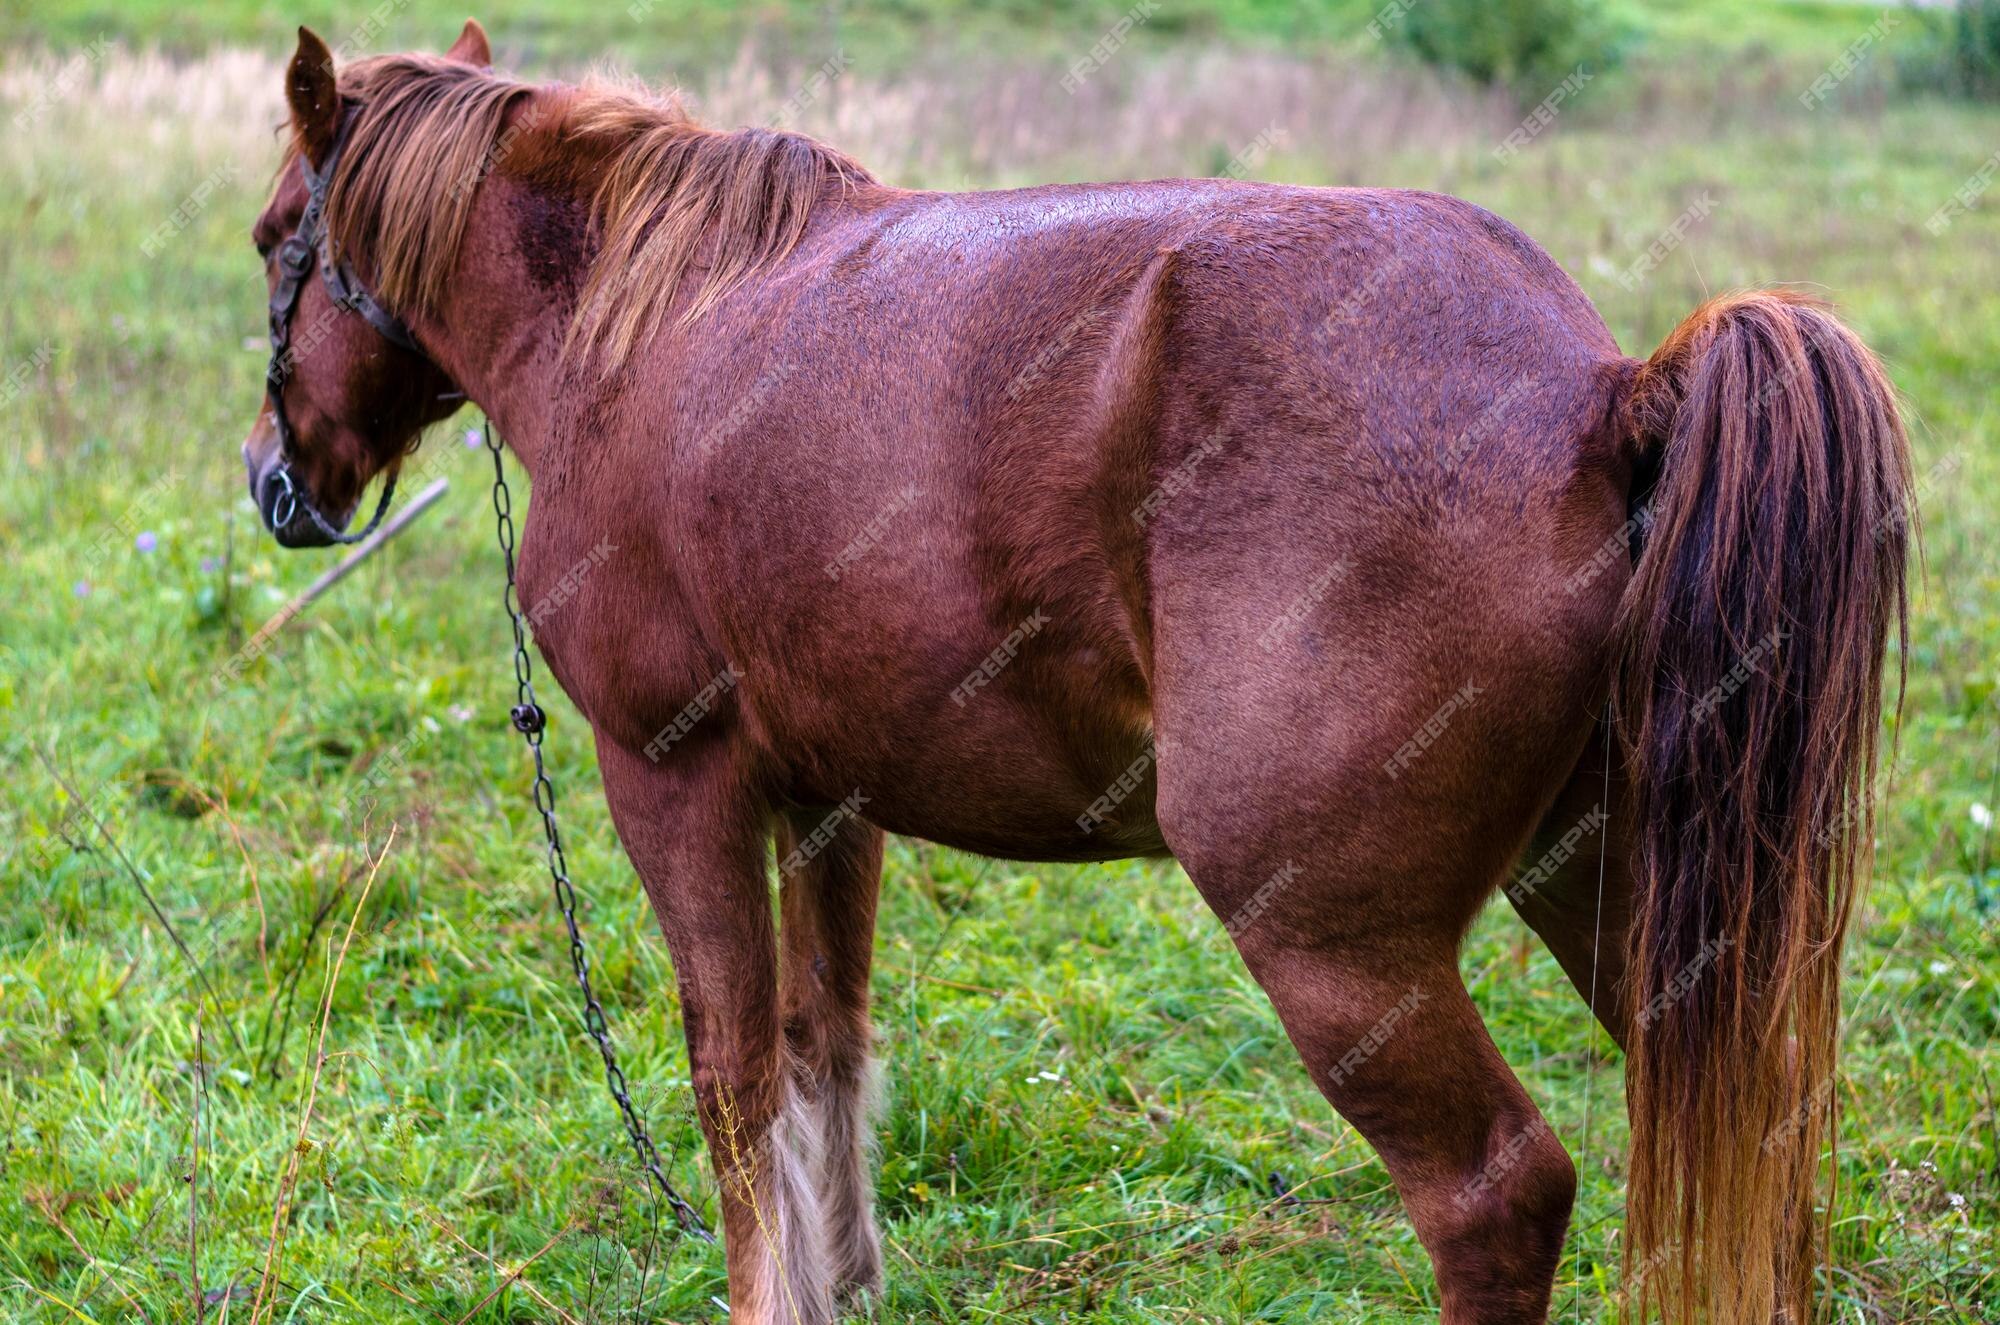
[(340, 279)]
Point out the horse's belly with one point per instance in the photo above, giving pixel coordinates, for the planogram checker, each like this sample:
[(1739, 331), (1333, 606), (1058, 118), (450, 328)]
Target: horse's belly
[(1006, 817), (1029, 773)]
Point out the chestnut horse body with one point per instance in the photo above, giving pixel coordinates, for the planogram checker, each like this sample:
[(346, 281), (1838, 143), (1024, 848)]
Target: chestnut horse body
[(1286, 531)]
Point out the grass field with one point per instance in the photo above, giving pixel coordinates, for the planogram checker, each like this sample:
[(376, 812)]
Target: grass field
[(1086, 1095)]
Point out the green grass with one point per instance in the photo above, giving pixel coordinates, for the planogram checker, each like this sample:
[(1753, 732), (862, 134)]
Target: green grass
[(458, 1115)]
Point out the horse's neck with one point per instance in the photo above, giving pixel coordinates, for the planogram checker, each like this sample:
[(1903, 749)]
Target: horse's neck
[(500, 330)]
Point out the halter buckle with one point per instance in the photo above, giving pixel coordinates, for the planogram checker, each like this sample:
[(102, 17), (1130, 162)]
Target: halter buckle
[(295, 256)]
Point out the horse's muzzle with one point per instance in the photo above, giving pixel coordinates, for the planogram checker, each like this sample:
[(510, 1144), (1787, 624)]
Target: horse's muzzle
[(281, 503)]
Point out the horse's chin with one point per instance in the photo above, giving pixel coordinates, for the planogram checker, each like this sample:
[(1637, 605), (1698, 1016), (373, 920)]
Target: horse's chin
[(301, 533)]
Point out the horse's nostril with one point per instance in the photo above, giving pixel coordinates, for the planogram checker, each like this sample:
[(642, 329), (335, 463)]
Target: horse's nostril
[(260, 495)]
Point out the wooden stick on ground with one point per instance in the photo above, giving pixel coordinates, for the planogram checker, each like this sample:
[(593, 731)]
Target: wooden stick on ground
[(363, 550)]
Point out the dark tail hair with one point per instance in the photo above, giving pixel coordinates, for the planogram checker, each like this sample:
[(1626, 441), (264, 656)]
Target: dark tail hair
[(1749, 700)]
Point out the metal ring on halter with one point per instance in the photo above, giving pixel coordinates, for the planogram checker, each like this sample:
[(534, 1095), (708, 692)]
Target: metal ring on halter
[(285, 505)]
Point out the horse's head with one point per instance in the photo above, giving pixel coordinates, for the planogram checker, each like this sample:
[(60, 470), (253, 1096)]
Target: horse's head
[(349, 389)]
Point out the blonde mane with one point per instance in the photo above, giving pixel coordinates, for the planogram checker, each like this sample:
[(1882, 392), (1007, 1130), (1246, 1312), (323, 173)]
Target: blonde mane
[(426, 131)]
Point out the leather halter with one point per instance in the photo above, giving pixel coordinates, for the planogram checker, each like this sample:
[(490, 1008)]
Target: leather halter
[(296, 259)]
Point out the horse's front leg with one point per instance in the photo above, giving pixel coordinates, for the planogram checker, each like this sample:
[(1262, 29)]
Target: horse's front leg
[(697, 836), (830, 872)]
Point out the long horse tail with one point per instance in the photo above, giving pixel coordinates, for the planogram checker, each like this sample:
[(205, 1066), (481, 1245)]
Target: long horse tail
[(1749, 697)]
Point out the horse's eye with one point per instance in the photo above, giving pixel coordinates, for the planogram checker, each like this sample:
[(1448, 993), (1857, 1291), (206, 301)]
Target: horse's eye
[(264, 250)]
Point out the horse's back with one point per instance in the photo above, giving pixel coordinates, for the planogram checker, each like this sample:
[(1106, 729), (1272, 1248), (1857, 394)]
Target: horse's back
[(1412, 349)]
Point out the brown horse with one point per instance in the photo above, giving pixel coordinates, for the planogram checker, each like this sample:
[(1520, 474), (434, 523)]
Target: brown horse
[(1301, 534)]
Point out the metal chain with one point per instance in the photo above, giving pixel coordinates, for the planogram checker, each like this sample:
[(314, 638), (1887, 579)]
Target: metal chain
[(530, 721)]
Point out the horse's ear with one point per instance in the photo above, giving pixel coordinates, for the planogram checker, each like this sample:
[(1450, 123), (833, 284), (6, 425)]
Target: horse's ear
[(313, 96), (471, 46)]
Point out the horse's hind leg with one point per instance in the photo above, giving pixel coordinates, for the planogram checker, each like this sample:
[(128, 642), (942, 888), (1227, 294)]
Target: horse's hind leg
[(1399, 1049), (830, 872), (1390, 1037), (1367, 986), (699, 838), (1347, 868)]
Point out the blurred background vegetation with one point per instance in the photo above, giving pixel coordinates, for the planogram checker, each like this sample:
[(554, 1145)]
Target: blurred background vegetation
[(1503, 40), (1087, 1099)]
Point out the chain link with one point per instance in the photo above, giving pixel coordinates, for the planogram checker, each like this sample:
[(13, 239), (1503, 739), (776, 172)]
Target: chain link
[(531, 721)]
